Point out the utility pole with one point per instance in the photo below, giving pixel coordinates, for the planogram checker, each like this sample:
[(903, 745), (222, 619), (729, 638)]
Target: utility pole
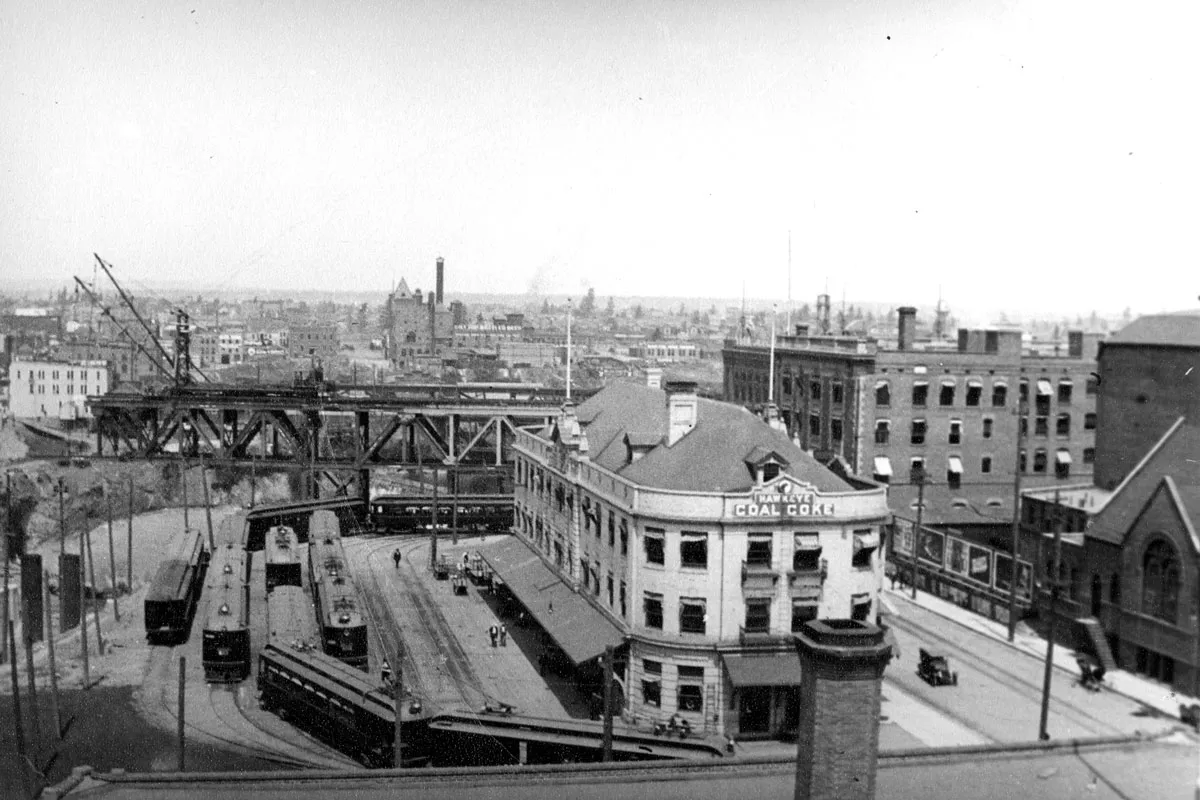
[(34, 709), (1016, 522), (83, 642), (187, 526), (129, 561), (1051, 620), (182, 667), (454, 506), (568, 348), (8, 536), (397, 703), (433, 544), (112, 553), (58, 731), (62, 517), (85, 538), (18, 724), (606, 753), (212, 544), (920, 476)]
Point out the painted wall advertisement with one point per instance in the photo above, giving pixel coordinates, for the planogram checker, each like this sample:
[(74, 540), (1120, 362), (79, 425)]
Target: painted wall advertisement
[(981, 565)]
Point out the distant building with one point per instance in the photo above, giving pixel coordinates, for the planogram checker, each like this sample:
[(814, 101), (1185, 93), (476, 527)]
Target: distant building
[(313, 339), (125, 361), (419, 325), (55, 389), (701, 538), (664, 351)]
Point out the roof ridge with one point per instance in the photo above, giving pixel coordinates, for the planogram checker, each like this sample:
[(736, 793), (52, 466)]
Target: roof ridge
[(1162, 440), (1181, 507)]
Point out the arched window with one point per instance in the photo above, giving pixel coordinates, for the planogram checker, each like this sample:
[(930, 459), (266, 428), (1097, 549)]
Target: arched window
[(1160, 581)]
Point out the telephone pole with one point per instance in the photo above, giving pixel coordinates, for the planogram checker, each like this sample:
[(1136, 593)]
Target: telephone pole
[(920, 476), (1016, 522), (1051, 618)]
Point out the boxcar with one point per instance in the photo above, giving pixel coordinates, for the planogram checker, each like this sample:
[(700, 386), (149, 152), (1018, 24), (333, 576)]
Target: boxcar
[(291, 621), (339, 615), (339, 705), (282, 557), (225, 647), (171, 600)]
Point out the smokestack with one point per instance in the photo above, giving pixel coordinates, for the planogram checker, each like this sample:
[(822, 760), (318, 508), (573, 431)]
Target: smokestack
[(441, 274), (908, 327)]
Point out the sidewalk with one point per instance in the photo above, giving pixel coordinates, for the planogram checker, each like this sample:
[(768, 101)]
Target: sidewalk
[(1156, 696)]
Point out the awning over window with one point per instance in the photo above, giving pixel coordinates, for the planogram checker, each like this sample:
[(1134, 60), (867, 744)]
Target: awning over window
[(1043, 387), (975, 383), (763, 669), (920, 383), (947, 381), (862, 541), (580, 630), (1066, 382), (1000, 382), (689, 536), (860, 599), (880, 384), (808, 541), (954, 464), (883, 466), (1063, 456)]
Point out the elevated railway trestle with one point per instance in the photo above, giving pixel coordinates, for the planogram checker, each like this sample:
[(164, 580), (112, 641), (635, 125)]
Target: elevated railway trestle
[(335, 437)]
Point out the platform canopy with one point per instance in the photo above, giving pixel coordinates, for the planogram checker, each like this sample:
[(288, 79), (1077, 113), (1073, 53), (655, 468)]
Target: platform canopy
[(578, 628), (763, 669)]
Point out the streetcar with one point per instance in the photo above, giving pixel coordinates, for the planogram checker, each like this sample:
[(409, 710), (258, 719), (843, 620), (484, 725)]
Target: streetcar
[(225, 646), (340, 705), (339, 615), (171, 600), (282, 557), (412, 514), (232, 530), (291, 623)]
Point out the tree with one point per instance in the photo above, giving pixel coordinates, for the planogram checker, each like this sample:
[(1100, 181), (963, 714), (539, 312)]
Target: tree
[(610, 309), (588, 306), (638, 311)]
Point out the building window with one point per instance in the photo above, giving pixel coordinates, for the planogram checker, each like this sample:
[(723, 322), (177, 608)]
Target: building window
[(836, 391), (654, 546), (991, 341), (866, 542), (1160, 581), (1023, 391), (988, 423), (946, 395), (814, 425), (652, 683), (916, 470), (758, 616), (883, 469), (758, 550), (1062, 463), (692, 614), (985, 465), (1042, 402), (622, 599), (918, 432), (954, 472), (835, 429), (802, 611), (1064, 392), (1039, 460), (883, 394), (691, 689), (1089, 422), (1022, 461), (955, 431), (1041, 426), (974, 392), (1093, 385), (1062, 425), (999, 395), (652, 605), (920, 394), (1023, 426), (806, 557), (814, 390), (883, 429), (1089, 455), (693, 549), (860, 607), (623, 529), (612, 528)]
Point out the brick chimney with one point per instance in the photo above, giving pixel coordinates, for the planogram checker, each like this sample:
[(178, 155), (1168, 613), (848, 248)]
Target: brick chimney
[(441, 287), (682, 409), (908, 327)]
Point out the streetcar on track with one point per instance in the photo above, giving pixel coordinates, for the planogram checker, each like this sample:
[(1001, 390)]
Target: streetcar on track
[(340, 705), (170, 603), (339, 613), (232, 530), (291, 622), (393, 514), (282, 557), (225, 646)]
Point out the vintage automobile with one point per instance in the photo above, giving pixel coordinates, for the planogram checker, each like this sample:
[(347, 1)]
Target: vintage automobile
[(935, 670)]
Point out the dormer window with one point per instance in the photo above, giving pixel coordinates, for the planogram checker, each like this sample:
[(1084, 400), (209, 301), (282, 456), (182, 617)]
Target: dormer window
[(770, 471)]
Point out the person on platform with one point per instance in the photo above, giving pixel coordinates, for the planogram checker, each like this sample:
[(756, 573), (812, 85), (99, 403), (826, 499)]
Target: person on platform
[(493, 632), (396, 557), (503, 635)]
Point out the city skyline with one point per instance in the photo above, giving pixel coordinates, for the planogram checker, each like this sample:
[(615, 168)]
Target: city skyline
[(1005, 151)]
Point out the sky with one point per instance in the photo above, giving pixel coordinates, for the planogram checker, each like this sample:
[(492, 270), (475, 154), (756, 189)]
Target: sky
[(1038, 155)]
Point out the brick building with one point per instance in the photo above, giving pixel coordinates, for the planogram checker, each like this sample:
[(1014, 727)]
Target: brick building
[(312, 339), (419, 325), (55, 389), (698, 539), (125, 361)]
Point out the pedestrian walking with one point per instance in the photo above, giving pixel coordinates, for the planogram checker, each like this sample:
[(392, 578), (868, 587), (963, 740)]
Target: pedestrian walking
[(504, 635), (493, 632), (396, 557), (385, 675)]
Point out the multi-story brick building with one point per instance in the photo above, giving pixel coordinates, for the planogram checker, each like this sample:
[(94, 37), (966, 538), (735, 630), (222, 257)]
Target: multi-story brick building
[(950, 412), (703, 537), (313, 339), (125, 361), (419, 325), (55, 389)]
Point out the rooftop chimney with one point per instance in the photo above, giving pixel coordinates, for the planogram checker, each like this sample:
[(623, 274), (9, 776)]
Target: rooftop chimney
[(441, 274), (682, 409), (908, 327)]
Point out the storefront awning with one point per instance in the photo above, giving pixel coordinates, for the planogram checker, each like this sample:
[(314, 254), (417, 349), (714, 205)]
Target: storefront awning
[(975, 383), (580, 630), (954, 464), (948, 382), (763, 669), (865, 540), (883, 466), (1043, 387), (807, 541), (1063, 456)]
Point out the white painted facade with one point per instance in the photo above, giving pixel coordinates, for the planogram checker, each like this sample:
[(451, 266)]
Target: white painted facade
[(55, 389)]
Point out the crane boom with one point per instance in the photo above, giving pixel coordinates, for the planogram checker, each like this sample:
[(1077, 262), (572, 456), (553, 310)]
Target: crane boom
[(129, 302), (106, 312)]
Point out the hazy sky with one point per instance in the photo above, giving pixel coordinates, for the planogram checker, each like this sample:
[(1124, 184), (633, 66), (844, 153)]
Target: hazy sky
[(1039, 154)]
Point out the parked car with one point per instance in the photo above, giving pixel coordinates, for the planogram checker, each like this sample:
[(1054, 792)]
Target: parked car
[(934, 669)]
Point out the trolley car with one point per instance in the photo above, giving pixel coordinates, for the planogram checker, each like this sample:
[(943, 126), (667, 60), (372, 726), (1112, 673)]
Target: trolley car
[(232, 530), (343, 629), (171, 600), (412, 514), (340, 705), (282, 558), (291, 624), (225, 647)]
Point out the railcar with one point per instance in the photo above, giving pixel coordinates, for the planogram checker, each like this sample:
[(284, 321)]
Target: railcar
[(225, 646), (291, 621), (339, 615), (170, 603), (324, 524), (282, 557), (412, 514), (341, 706), (232, 530)]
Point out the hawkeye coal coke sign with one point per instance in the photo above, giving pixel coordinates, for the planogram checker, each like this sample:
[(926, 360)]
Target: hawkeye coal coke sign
[(784, 499)]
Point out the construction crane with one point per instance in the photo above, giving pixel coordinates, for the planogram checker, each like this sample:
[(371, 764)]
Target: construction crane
[(108, 313), (129, 303)]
